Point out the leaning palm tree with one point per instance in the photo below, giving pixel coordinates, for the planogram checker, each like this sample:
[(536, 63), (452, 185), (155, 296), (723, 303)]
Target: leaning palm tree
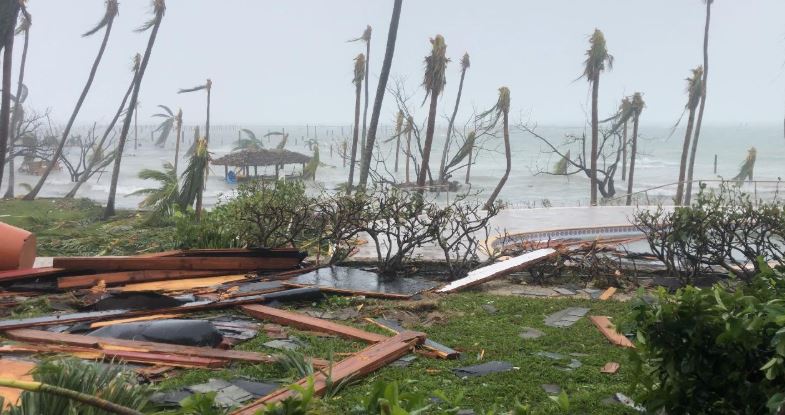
[(637, 109), (179, 126), (597, 60), (359, 73), (16, 119), (470, 149), (162, 199), (381, 88), (10, 10), (309, 171), (208, 86), (694, 88), (250, 142), (193, 178), (465, 64), (165, 127), (465, 152), (501, 110), (433, 82), (699, 121), (106, 22), (366, 37), (159, 8), (747, 167)]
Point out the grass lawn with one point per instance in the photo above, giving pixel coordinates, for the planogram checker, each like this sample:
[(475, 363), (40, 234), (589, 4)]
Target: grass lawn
[(470, 329)]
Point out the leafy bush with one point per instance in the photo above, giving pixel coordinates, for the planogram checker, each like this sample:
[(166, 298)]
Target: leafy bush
[(724, 228), (715, 350)]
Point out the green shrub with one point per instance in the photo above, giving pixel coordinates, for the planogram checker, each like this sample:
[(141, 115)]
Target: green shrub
[(717, 350)]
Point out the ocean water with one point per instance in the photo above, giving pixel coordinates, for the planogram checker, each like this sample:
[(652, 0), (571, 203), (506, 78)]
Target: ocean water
[(657, 163)]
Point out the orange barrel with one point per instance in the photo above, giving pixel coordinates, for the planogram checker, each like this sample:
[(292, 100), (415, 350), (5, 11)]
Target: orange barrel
[(17, 248)]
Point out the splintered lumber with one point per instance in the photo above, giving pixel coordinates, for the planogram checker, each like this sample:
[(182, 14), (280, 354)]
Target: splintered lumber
[(110, 345), (128, 356), (126, 277), (608, 293), (439, 349), (181, 285), (30, 273), (360, 364), (304, 322), (99, 324), (297, 293), (199, 263), (609, 331), (499, 269), (15, 370)]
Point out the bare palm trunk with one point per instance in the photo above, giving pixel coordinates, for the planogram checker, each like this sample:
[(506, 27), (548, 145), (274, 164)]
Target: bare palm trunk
[(355, 137), (426, 151), (365, 110), (5, 100), (595, 89), (634, 152), (442, 172), (179, 121), (508, 155), (67, 131), (699, 122), (469, 166), (110, 209), (408, 150), (397, 144), (380, 90), (16, 118), (624, 153), (684, 152)]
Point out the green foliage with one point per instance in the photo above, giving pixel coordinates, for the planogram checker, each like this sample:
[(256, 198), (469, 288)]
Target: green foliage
[(214, 230), (109, 382), (162, 199), (299, 404), (194, 175), (386, 399), (717, 350), (197, 404)]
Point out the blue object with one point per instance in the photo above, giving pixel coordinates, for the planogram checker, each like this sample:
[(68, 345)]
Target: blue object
[(231, 177)]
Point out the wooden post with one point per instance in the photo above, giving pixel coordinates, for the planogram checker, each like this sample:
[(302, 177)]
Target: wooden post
[(715, 164)]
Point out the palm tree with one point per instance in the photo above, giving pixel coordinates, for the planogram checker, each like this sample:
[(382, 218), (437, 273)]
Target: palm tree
[(694, 88), (465, 64), (381, 88), (179, 124), (106, 22), (699, 122), (625, 108), (637, 107), (366, 37), (747, 167), (11, 10), (434, 81), (16, 119), (207, 86), (470, 149), (161, 199), (159, 8), (464, 152), (248, 143), (309, 171), (501, 109), (165, 127), (359, 73), (398, 128), (193, 178), (409, 130), (99, 160), (597, 58)]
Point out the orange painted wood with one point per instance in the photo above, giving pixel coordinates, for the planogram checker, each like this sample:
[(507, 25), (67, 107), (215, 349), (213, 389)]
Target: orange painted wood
[(301, 321), (17, 247), (608, 293), (129, 356), (609, 331), (16, 370), (360, 364), (126, 277), (206, 263), (29, 273)]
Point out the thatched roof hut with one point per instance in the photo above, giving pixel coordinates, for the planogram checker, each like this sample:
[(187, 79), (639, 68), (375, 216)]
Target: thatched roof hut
[(245, 159)]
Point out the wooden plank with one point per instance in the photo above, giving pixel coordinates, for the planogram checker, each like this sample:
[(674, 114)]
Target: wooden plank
[(182, 285), (129, 356), (109, 344), (608, 293), (99, 324), (360, 364), (439, 349), (126, 263), (30, 273), (304, 322), (125, 277), (369, 294), (609, 331), (499, 269), (16, 370)]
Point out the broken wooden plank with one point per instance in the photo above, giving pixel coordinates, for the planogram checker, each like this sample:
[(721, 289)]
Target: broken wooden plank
[(199, 263), (30, 274), (15, 370), (610, 368), (182, 284), (609, 331), (302, 321), (608, 293), (99, 324), (126, 277), (481, 275), (107, 344), (185, 308), (360, 364), (129, 356), (439, 349)]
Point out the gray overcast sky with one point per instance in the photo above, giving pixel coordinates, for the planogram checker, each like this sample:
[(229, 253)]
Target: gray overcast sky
[(288, 62)]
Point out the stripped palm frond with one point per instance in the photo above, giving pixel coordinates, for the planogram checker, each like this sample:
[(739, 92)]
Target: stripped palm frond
[(309, 171), (194, 174), (561, 166), (193, 144), (637, 104), (435, 67), (365, 37), (165, 128), (25, 20), (502, 106), (464, 151), (282, 144), (747, 167), (249, 143), (597, 57), (159, 8), (359, 69), (196, 88), (109, 15)]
